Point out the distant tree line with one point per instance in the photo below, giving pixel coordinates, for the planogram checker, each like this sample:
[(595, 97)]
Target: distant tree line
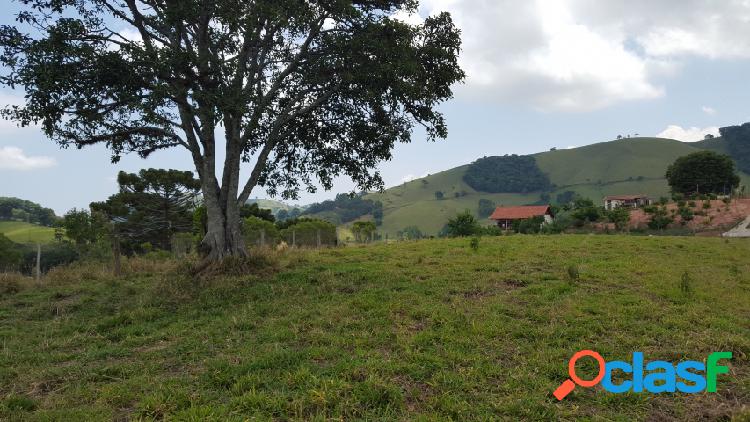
[(507, 174), (348, 208), (23, 210), (738, 144)]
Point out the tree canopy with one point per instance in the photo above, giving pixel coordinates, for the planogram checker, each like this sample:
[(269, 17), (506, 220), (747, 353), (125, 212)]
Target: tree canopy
[(347, 208), (151, 206), (305, 91), (507, 174), (702, 172), (15, 208), (738, 144)]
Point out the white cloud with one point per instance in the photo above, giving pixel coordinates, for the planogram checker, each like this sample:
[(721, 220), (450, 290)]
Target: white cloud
[(581, 55), (13, 158), (708, 110), (690, 134)]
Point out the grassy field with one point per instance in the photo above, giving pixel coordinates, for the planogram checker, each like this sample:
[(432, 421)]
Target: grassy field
[(409, 331), (631, 166), (21, 232)]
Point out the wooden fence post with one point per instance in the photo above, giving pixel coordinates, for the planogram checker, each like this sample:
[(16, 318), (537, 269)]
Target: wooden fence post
[(294, 237), (318, 235), (262, 238), (116, 255), (38, 262)]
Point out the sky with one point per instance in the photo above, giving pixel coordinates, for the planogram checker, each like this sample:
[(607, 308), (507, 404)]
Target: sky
[(540, 74)]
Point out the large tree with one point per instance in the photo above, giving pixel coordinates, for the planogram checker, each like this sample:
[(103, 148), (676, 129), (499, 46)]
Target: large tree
[(302, 91), (702, 172)]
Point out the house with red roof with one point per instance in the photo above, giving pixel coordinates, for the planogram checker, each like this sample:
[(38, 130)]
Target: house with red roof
[(630, 201), (505, 216)]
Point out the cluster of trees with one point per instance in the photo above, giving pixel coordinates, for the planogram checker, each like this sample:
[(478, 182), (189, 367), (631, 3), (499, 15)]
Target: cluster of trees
[(507, 174), (347, 208), (364, 231), (297, 232), (738, 144), (485, 208), (410, 233), (30, 212), (703, 172)]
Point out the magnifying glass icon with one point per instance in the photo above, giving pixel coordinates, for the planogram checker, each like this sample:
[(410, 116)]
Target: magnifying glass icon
[(570, 384)]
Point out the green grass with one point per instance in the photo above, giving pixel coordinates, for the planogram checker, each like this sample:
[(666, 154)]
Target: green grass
[(593, 171), (21, 232), (410, 331)]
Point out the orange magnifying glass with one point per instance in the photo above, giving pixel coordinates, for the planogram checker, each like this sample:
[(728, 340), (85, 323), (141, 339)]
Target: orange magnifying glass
[(570, 384)]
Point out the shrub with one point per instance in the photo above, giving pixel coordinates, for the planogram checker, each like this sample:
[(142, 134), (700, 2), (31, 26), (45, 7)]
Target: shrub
[(305, 233), (463, 224), (686, 214), (573, 273), (686, 283), (410, 233), (11, 283), (257, 230), (529, 226), (53, 255), (660, 219), (474, 243), (11, 254)]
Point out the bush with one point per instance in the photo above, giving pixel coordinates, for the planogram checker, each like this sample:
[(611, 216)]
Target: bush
[(305, 233), (620, 217), (53, 255), (474, 243), (410, 233), (686, 214), (462, 225), (11, 254), (529, 226), (573, 273), (257, 230), (660, 219)]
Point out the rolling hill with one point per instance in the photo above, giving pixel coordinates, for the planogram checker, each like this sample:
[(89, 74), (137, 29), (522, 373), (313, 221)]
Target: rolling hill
[(21, 232), (635, 165)]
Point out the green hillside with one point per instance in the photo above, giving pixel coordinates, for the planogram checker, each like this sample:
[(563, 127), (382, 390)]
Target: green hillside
[(270, 204), (632, 166), (21, 232)]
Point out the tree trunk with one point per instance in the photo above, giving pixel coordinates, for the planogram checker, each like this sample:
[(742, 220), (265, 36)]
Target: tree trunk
[(224, 235)]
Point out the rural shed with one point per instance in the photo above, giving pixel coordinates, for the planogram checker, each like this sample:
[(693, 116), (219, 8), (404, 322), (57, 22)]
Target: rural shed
[(505, 216), (631, 201)]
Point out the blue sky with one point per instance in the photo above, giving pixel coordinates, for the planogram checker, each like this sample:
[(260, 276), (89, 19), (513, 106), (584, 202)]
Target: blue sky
[(541, 74)]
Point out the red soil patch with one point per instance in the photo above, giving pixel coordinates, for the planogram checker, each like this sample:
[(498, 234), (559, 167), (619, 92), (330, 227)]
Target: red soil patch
[(717, 217)]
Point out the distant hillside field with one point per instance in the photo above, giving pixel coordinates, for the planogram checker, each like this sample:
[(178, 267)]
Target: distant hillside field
[(21, 232), (270, 204), (626, 166)]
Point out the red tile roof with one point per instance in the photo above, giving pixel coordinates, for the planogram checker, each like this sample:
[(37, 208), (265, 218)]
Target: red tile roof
[(624, 197), (519, 213)]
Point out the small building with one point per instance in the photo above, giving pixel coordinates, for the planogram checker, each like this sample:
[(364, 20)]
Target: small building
[(505, 216), (630, 201)]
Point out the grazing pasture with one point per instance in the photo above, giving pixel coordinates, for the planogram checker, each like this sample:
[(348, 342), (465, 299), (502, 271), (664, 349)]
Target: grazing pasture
[(433, 329)]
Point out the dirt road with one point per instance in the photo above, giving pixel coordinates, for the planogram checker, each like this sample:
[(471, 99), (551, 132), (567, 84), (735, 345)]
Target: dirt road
[(741, 230)]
